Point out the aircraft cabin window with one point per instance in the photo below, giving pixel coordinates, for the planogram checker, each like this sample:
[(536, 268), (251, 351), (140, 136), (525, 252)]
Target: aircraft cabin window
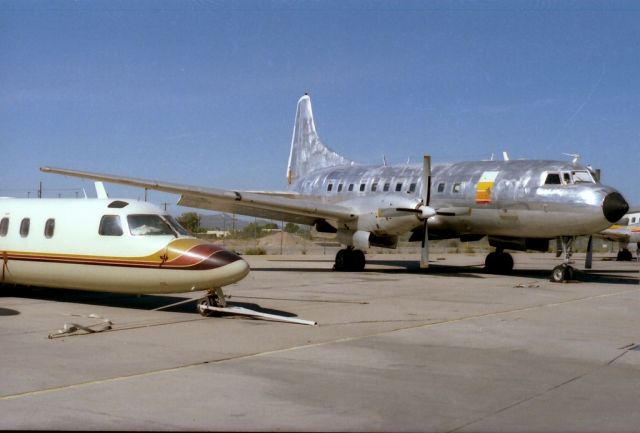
[(398, 186), (362, 186), (110, 225), (633, 221), (412, 187), (143, 225), (4, 226), (329, 187), (456, 187), (339, 187), (49, 228), (386, 187), (567, 178), (24, 227), (350, 187), (441, 187), (374, 186), (553, 179)]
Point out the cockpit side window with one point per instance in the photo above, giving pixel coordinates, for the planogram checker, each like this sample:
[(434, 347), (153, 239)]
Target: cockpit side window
[(553, 179), (148, 225), (110, 225), (582, 176), (176, 225), (567, 178)]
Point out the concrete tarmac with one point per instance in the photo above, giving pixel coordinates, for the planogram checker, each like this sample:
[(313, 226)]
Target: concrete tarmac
[(396, 349)]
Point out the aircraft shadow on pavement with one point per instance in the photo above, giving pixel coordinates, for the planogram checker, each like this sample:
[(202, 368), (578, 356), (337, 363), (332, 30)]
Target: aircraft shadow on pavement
[(118, 300), (457, 271)]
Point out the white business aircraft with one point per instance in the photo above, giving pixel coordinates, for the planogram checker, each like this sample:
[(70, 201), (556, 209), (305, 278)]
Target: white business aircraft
[(518, 205), (108, 245), (625, 232)]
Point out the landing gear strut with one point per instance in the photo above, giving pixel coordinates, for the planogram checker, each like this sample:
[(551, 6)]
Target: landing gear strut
[(498, 262), (564, 271), (214, 298), (349, 259)]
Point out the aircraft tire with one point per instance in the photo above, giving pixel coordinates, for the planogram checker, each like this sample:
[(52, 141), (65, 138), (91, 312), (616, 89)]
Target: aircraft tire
[(204, 302), (356, 261), (341, 261), (562, 273), (624, 256)]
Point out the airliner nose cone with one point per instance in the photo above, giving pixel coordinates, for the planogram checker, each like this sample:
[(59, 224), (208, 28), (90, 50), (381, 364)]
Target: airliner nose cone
[(614, 207)]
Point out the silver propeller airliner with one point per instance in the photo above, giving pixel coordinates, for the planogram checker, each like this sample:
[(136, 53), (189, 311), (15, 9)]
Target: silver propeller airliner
[(517, 204)]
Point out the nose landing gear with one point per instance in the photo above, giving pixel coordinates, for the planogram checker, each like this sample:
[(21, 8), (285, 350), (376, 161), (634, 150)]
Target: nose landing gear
[(565, 271)]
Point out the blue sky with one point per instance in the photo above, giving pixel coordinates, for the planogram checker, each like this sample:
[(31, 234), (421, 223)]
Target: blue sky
[(204, 93)]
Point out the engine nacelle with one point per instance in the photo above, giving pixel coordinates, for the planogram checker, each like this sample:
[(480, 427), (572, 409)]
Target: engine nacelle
[(362, 240)]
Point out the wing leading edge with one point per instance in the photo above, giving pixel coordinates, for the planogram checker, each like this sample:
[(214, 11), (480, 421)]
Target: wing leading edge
[(262, 205)]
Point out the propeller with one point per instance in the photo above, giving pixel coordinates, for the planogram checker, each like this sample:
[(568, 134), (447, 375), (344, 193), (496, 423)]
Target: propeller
[(426, 210)]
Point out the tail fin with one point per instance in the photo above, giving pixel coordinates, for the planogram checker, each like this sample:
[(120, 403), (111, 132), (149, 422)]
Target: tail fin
[(307, 151)]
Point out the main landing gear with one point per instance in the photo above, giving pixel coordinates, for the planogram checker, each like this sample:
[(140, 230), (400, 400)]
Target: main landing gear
[(349, 259), (565, 271), (498, 262)]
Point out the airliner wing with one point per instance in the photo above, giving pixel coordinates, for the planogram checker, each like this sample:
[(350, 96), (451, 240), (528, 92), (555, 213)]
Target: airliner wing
[(258, 204)]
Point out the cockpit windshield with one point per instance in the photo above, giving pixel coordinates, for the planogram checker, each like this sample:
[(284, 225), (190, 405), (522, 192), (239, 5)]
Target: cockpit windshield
[(176, 225), (148, 225)]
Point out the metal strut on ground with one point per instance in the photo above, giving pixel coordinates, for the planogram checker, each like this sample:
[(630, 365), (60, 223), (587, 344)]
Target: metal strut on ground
[(252, 313)]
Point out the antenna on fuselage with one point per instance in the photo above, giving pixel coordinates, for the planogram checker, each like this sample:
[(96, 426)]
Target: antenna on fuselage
[(384, 160), (575, 156)]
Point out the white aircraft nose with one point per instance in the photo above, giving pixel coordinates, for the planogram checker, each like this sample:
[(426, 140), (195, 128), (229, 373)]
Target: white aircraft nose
[(218, 265)]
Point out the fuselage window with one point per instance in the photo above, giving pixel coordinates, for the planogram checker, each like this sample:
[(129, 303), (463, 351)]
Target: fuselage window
[(24, 227), (567, 178), (386, 187), (398, 186), (49, 228), (441, 187), (553, 179), (374, 186), (4, 226), (412, 187), (110, 225), (456, 187), (340, 187), (329, 187), (143, 225), (633, 221), (362, 186), (350, 187)]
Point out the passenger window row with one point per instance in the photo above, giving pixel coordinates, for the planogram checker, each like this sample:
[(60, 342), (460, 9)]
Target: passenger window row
[(25, 226), (374, 187)]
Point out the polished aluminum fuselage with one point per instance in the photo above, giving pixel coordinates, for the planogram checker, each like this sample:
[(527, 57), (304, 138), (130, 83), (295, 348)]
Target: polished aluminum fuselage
[(515, 203)]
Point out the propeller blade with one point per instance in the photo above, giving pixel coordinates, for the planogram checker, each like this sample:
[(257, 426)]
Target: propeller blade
[(426, 180), (426, 210), (589, 257), (424, 251)]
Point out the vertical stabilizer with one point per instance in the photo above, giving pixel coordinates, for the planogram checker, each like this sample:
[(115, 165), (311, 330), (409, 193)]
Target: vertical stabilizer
[(307, 151)]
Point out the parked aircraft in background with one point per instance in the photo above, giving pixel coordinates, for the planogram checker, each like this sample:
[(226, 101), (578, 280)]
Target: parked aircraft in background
[(625, 232), (123, 246), (517, 204)]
